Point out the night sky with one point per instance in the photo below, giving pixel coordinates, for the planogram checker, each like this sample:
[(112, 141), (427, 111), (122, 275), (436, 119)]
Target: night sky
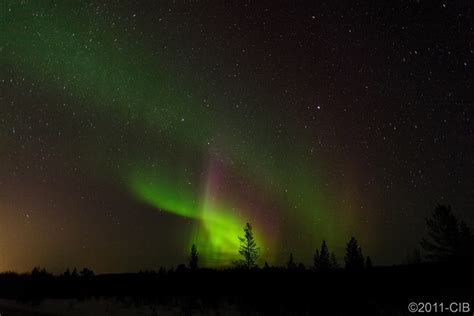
[(130, 130)]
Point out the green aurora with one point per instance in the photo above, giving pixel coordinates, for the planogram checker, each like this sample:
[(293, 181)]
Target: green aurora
[(85, 57)]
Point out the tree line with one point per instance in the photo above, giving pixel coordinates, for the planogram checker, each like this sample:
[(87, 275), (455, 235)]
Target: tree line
[(447, 239), (323, 260)]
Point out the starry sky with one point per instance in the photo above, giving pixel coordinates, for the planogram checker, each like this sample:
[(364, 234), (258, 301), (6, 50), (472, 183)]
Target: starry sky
[(130, 130)]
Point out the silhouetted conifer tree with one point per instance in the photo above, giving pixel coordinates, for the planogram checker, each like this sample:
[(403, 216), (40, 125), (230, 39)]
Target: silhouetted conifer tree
[(36, 271), (67, 273), (321, 259), (354, 258), (248, 249), (291, 265), (448, 238), (193, 259)]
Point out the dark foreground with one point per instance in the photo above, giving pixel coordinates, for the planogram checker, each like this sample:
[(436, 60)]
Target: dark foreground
[(374, 291)]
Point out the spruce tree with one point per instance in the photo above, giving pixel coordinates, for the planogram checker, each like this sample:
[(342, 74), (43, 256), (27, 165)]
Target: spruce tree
[(248, 249), (193, 258), (354, 258), (322, 260)]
